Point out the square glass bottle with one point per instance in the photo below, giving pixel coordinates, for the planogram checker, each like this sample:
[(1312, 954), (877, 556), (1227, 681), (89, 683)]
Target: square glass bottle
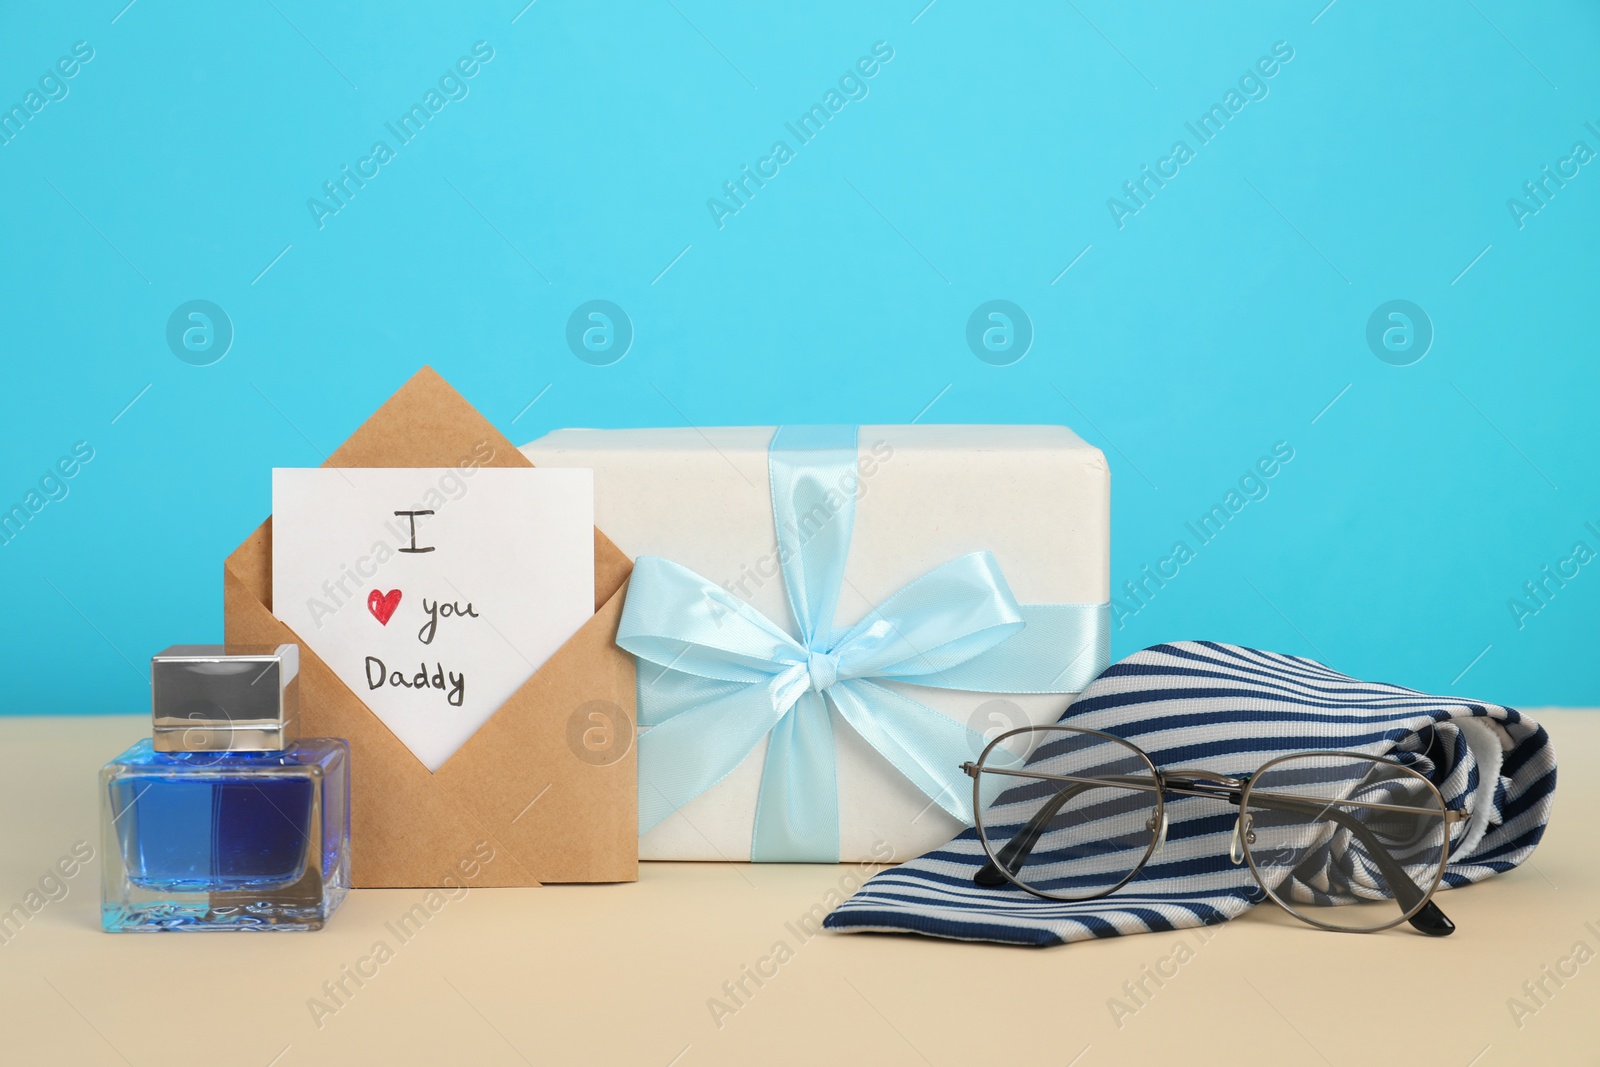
[(224, 819)]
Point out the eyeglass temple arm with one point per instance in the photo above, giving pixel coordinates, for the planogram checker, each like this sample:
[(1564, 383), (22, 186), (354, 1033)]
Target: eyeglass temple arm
[(1016, 851), (1430, 920)]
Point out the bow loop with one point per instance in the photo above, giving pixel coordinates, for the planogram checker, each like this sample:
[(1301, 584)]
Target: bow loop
[(947, 617), (679, 621)]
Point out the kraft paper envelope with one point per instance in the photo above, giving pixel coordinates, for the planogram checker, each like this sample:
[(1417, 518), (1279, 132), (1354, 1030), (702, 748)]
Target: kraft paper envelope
[(551, 807)]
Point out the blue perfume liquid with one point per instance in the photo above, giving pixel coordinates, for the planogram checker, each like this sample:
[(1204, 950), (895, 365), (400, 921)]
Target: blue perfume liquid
[(226, 840)]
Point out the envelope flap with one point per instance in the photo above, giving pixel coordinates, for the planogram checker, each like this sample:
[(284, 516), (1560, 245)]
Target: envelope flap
[(425, 424), (428, 424)]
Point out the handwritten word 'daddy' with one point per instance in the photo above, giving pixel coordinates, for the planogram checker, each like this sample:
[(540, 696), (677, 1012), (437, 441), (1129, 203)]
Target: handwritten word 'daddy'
[(453, 685)]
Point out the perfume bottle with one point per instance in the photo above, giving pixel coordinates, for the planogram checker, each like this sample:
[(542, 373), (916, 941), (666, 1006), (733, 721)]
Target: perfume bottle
[(225, 819)]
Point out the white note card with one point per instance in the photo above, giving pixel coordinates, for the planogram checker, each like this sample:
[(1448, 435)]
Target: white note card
[(433, 593)]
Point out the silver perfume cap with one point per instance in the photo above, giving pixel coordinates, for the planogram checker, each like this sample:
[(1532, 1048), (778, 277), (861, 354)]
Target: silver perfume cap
[(225, 698)]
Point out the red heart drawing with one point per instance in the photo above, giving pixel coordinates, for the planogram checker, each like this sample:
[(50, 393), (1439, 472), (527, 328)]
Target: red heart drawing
[(382, 605)]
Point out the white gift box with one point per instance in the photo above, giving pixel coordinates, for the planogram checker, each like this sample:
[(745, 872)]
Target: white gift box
[(1036, 497)]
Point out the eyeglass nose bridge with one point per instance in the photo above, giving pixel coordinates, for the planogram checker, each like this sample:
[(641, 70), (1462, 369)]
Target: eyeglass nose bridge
[(1161, 831), (1243, 834)]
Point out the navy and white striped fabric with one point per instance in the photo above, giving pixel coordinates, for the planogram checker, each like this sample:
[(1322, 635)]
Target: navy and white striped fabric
[(1229, 709)]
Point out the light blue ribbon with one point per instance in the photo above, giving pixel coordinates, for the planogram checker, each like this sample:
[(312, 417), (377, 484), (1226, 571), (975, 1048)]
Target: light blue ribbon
[(721, 676)]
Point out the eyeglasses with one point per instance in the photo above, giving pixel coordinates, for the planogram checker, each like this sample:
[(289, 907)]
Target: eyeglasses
[(1340, 840)]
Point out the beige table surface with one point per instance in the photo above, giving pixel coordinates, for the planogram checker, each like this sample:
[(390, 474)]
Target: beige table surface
[(623, 974)]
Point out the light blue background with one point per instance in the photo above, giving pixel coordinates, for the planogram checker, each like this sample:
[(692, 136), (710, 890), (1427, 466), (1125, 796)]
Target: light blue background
[(1224, 317)]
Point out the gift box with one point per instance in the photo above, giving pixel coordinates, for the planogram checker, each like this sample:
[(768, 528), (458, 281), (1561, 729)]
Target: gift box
[(526, 800), (829, 620)]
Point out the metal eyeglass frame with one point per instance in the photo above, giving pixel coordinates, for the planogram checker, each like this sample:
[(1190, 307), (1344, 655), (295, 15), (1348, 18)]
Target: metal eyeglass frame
[(1417, 906)]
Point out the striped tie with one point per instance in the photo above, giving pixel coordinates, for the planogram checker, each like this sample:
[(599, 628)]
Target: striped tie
[(1229, 709)]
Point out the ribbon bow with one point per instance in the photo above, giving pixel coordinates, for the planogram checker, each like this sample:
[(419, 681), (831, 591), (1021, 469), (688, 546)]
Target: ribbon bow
[(729, 677)]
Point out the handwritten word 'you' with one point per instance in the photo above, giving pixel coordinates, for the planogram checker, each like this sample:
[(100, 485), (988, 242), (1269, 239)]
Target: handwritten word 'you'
[(436, 611)]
